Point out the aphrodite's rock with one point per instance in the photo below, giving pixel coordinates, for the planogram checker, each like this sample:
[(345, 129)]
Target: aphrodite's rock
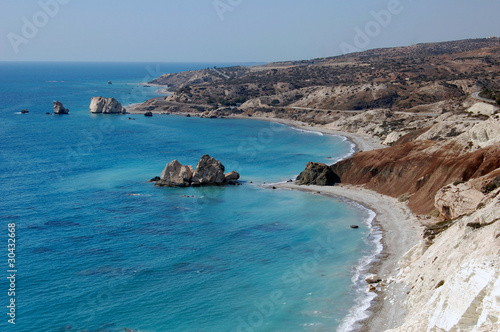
[(106, 106), (176, 175), (59, 108), (208, 171), (318, 174)]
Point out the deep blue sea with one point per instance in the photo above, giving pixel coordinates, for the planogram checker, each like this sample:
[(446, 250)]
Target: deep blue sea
[(98, 248)]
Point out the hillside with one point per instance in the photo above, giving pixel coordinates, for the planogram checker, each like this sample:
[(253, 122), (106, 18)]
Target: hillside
[(398, 78)]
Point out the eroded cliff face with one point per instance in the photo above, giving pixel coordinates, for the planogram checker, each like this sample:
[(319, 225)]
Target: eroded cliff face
[(417, 169), (455, 283)]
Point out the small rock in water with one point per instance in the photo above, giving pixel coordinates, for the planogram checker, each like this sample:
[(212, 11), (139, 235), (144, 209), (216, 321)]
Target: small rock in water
[(354, 226), (148, 114), (24, 111), (155, 179)]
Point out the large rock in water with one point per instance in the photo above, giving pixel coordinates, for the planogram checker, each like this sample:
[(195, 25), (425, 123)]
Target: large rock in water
[(59, 108), (106, 106), (208, 171), (176, 175), (318, 174)]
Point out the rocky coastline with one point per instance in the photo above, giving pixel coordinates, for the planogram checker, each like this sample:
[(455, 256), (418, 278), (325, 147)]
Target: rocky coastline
[(426, 143)]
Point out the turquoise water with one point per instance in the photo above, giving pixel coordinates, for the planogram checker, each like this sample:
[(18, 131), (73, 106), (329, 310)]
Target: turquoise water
[(100, 249)]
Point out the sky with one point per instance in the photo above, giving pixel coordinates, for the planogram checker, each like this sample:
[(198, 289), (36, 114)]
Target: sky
[(231, 30)]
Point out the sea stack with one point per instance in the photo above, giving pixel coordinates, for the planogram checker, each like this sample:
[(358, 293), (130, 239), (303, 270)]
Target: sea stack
[(208, 172), (59, 108), (106, 106)]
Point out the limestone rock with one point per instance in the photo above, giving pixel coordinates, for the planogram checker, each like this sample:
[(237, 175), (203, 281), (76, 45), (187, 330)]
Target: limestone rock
[(482, 109), (318, 174), (454, 201), (106, 106), (467, 260), (208, 171), (59, 108), (486, 133), (176, 175)]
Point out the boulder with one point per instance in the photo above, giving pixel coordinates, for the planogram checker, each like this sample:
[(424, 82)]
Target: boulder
[(59, 108), (148, 114), (106, 106), (454, 201), (373, 279), (176, 175), (318, 174), (208, 171), (231, 176)]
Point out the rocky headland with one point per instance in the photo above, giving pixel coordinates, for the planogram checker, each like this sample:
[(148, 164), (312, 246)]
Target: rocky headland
[(431, 117), (208, 172), (106, 106)]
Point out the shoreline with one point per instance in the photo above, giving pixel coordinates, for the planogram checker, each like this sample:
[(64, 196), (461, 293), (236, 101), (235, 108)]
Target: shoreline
[(386, 310), (400, 230)]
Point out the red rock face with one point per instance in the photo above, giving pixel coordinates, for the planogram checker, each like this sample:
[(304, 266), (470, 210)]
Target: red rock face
[(416, 168)]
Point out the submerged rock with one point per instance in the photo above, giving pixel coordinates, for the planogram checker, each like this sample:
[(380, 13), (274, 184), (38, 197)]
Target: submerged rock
[(59, 108), (106, 106), (209, 171), (318, 174)]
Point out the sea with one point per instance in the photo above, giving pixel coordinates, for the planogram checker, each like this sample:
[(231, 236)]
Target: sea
[(98, 248)]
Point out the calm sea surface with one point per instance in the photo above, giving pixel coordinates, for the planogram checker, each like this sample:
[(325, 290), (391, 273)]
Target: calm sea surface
[(100, 249)]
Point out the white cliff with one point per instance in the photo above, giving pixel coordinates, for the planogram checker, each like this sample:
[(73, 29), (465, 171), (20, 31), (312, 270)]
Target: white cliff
[(455, 283)]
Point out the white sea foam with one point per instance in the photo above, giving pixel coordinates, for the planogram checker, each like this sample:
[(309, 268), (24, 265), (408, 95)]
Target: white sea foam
[(307, 131), (363, 297)]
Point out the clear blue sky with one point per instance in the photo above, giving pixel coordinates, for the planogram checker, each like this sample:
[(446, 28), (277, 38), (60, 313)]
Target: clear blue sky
[(239, 31)]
